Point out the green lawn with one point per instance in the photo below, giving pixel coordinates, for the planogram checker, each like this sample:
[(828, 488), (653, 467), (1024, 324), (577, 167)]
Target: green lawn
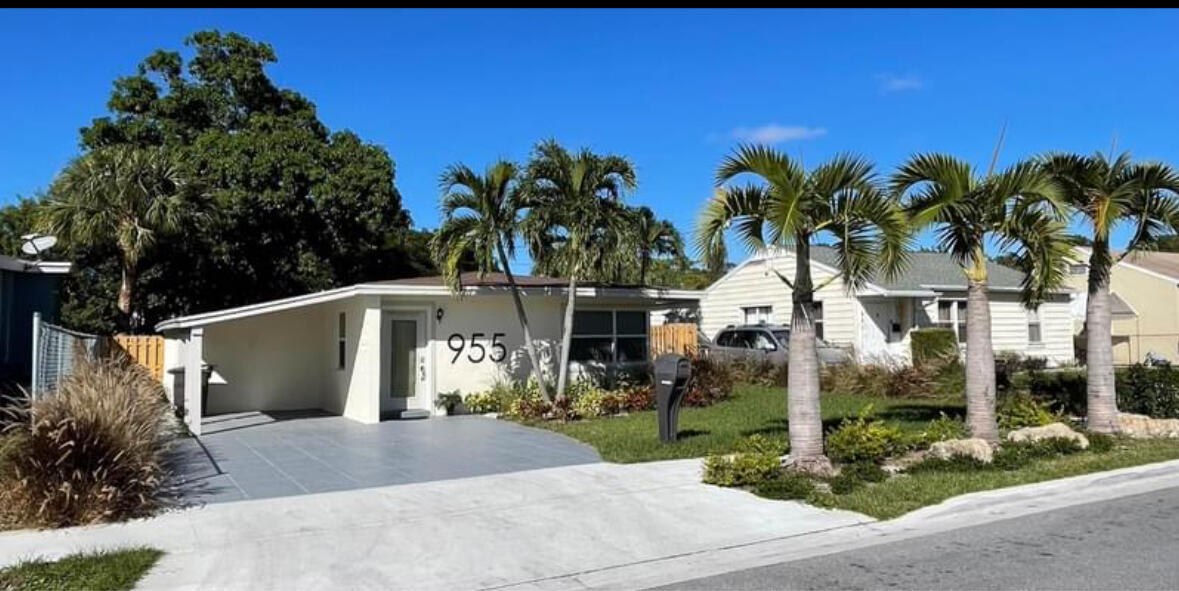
[(718, 428), (99, 571)]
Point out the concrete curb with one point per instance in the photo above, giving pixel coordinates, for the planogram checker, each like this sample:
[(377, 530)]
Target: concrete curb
[(958, 512)]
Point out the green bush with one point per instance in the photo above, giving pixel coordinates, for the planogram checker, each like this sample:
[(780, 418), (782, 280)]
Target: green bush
[(1015, 455), (957, 463), (933, 346), (90, 452), (711, 382), (593, 402), (530, 408), (1152, 391), (741, 469), (943, 428), (482, 402), (864, 439), (761, 444), (786, 486), (1063, 389), (1020, 410)]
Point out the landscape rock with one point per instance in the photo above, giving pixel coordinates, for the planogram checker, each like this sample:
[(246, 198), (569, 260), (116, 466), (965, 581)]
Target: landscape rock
[(899, 465), (975, 448), (1140, 426), (1049, 431)]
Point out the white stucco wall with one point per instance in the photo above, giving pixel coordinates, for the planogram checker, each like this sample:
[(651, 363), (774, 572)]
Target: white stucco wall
[(288, 360), (755, 284), (273, 361)]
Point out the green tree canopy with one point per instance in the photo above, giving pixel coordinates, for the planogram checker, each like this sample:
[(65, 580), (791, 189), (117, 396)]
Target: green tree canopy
[(292, 206)]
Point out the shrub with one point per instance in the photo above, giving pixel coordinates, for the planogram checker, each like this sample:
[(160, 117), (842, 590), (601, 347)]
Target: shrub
[(711, 382), (759, 372), (786, 486), (933, 346), (957, 463), (864, 440), (1016, 455), (943, 428), (1152, 391), (1064, 390), (593, 403), (482, 402), (90, 452), (1020, 410), (889, 381), (761, 444), (531, 408), (741, 469), (635, 398)]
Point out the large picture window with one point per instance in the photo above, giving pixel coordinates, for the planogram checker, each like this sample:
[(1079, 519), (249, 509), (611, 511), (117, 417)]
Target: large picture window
[(757, 314), (951, 314), (609, 336)]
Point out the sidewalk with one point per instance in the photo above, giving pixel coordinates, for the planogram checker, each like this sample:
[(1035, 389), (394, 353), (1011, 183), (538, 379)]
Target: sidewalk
[(523, 528)]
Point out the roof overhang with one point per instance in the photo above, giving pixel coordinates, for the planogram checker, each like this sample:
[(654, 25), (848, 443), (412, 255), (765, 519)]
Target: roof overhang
[(43, 267), (649, 296)]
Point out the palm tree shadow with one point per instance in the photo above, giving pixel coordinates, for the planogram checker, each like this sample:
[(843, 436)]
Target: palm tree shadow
[(921, 412), (690, 433)]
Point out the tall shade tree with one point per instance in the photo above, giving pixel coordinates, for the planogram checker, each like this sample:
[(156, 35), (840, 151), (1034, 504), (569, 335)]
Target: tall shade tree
[(577, 221), (654, 238), (791, 207), (132, 194), (481, 221), (1017, 209), (1106, 192)]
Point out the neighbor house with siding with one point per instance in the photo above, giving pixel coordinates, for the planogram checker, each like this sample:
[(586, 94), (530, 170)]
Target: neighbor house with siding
[(1144, 306), (877, 321)]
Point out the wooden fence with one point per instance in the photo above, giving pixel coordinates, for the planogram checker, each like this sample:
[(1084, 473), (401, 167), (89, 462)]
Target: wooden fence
[(674, 338), (146, 350)]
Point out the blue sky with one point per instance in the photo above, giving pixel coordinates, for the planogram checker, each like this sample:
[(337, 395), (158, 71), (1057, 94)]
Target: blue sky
[(674, 91)]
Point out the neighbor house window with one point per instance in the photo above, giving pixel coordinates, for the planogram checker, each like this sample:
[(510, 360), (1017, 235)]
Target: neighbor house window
[(952, 315), (1034, 331), (1078, 269), (607, 336), (757, 314), (818, 307), (341, 341)]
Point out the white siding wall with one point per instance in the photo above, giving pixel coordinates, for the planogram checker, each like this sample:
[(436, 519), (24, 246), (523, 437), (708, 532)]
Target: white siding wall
[(755, 284), (1009, 326)]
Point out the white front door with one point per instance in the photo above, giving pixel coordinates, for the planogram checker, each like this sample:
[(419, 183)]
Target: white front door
[(404, 383)]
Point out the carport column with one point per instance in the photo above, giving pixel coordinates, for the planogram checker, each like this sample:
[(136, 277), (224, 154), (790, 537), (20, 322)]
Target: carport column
[(366, 383), (193, 359)]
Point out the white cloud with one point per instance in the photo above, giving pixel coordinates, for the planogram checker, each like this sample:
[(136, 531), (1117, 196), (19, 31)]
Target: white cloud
[(776, 134), (891, 83)]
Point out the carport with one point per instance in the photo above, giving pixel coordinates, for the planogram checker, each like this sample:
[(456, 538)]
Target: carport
[(253, 455)]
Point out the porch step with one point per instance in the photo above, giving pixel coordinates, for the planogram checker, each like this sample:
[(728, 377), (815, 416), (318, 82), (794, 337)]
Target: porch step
[(407, 415)]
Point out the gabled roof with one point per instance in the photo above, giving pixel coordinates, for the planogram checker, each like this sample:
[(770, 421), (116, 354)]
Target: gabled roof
[(473, 279), (927, 273), (1163, 263), (931, 270)]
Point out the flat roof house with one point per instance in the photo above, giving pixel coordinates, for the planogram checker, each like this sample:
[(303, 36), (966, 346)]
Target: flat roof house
[(877, 320), (375, 350)]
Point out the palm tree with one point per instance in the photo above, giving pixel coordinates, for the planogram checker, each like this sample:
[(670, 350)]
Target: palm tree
[(654, 238), (791, 207), (1108, 191), (575, 226), (1019, 210), (130, 194), (481, 220)]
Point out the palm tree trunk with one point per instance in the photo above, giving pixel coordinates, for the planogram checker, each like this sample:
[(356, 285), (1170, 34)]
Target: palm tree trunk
[(803, 405), (1102, 401), (126, 290), (537, 369), (980, 360), (567, 337)]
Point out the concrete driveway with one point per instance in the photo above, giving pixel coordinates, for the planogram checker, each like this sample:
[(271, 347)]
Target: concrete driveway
[(262, 455)]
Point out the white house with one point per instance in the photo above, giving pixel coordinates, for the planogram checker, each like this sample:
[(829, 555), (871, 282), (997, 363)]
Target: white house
[(876, 321), (373, 350)]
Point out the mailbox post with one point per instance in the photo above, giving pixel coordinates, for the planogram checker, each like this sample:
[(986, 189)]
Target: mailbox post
[(671, 380)]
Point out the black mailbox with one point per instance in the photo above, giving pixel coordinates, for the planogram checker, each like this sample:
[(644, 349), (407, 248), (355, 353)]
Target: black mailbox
[(671, 381)]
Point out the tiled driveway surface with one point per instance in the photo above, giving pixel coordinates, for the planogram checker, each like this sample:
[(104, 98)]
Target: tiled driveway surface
[(258, 455)]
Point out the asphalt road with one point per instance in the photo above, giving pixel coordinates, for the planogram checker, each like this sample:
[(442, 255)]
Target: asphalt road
[(1126, 543)]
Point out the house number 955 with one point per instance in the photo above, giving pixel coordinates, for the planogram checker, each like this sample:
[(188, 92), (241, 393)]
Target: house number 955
[(477, 352)]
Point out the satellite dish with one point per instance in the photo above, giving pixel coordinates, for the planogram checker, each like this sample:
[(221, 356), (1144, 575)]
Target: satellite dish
[(35, 244)]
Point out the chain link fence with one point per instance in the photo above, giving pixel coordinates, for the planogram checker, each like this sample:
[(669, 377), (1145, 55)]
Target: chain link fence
[(56, 351)]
